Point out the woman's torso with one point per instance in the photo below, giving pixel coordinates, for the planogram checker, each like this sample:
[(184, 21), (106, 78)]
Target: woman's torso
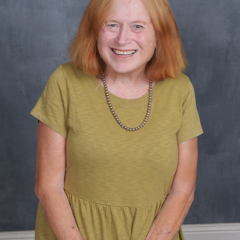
[(116, 180), (109, 165)]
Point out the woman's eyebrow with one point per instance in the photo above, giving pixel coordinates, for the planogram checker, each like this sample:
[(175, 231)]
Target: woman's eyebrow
[(142, 22), (111, 21)]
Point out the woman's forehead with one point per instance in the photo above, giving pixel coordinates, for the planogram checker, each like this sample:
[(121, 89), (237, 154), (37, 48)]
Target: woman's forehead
[(129, 11)]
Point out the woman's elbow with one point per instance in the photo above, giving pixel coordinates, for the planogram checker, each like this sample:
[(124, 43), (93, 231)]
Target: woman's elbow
[(186, 191), (191, 196), (43, 191), (39, 191)]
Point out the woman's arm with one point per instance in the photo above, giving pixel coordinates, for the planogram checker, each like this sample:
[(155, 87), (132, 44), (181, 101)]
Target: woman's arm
[(49, 185), (176, 206)]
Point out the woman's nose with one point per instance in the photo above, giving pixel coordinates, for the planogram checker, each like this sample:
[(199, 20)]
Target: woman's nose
[(123, 36)]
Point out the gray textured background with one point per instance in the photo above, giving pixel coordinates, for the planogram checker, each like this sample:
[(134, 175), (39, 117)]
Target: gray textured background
[(34, 36)]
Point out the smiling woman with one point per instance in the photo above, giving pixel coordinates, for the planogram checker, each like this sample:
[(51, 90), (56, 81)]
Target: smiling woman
[(117, 137), (169, 50), (115, 41)]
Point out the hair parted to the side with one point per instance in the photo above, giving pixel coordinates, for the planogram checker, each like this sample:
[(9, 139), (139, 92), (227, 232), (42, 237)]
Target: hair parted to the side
[(168, 60)]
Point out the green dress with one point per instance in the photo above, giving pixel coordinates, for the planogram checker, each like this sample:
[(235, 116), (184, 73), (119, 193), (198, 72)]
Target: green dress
[(116, 181)]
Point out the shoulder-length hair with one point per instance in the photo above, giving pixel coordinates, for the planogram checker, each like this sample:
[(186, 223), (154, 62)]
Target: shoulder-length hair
[(168, 60)]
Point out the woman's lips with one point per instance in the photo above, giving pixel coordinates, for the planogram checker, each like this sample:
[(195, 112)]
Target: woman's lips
[(123, 53)]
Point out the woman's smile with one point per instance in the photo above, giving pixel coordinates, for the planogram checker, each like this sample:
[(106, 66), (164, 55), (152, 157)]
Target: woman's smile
[(123, 53)]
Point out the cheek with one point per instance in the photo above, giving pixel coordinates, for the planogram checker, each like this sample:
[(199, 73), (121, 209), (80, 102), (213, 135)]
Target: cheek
[(151, 47), (104, 37), (103, 46), (101, 40), (148, 45), (147, 41), (152, 40)]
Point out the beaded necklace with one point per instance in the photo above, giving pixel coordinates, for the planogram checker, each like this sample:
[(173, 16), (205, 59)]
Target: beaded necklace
[(114, 114)]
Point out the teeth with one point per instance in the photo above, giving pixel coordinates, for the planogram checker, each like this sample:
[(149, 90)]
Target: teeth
[(124, 52)]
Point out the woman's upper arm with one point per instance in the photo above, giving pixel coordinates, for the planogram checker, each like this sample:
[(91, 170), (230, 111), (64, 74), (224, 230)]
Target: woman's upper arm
[(51, 159), (185, 176)]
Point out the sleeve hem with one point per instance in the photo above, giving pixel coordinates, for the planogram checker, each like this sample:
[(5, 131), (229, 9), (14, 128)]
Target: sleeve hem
[(190, 136), (45, 121)]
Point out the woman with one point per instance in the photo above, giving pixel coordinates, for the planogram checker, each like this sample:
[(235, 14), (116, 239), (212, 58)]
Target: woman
[(117, 137)]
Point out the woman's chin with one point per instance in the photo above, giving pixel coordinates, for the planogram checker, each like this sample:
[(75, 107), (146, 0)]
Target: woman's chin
[(124, 69)]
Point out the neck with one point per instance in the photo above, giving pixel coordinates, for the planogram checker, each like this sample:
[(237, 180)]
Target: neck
[(128, 85), (130, 79)]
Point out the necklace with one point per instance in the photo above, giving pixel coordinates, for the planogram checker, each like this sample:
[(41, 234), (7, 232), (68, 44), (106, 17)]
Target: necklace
[(114, 114)]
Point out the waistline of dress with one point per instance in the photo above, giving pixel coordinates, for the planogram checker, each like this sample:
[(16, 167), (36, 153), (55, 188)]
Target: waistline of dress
[(159, 202)]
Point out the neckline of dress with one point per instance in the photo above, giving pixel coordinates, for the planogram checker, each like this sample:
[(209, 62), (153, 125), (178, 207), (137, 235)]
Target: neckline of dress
[(123, 102)]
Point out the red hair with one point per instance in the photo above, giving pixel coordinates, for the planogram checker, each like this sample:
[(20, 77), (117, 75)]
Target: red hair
[(168, 60)]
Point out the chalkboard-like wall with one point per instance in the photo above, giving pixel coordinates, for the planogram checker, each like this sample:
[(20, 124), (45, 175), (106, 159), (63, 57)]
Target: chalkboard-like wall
[(34, 36)]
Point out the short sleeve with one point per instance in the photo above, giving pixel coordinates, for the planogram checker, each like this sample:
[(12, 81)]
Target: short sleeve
[(191, 126), (52, 106)]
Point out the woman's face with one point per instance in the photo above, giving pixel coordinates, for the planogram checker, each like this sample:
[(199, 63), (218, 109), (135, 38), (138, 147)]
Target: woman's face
[(127, 39)]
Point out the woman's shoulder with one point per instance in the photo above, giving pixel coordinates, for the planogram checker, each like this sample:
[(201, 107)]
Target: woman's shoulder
[(181, 80), (69, 70), (180, 84), (67, 77)]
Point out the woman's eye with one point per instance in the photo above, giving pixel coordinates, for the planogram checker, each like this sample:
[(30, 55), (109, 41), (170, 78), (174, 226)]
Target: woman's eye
[(137, 28), (112, 25)]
